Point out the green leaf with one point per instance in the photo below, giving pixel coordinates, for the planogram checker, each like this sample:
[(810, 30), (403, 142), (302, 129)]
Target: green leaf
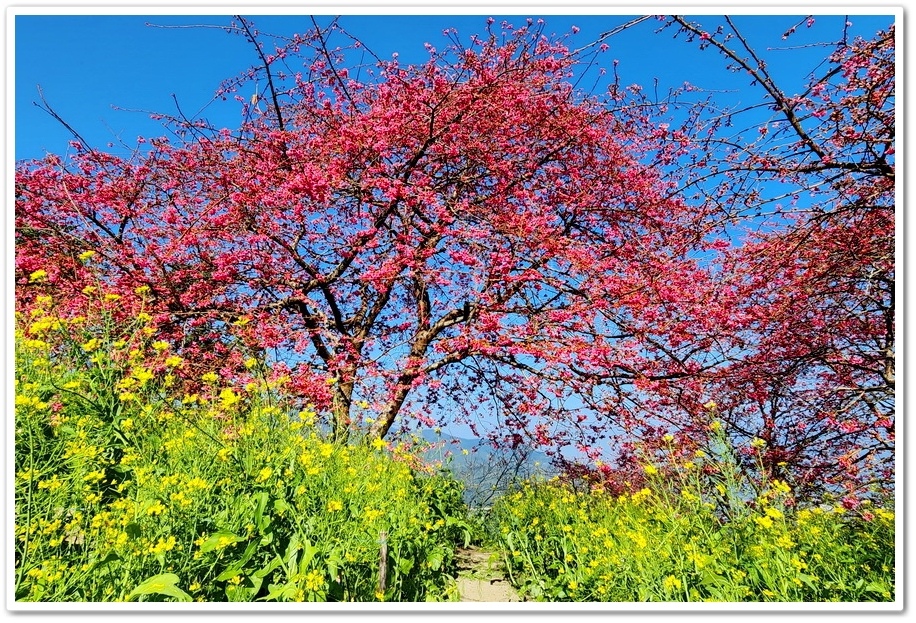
[(434, 559), (261, 573), (710, 579), (308, 554), (248, 553), (277, 591), (404, 565), (260, 519), (281, 506), (162, 584), (333, 564), (237, 567), (109, 558), (808, 580), (292, 555), (210, 544)]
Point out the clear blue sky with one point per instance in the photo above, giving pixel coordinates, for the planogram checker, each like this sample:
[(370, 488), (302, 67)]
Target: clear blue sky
[(86, 65)]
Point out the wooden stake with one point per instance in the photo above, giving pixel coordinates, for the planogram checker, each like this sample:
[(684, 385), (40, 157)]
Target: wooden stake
[(382, 561)]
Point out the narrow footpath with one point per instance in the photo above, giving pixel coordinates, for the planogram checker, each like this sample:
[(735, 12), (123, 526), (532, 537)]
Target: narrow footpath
[(481, 577)]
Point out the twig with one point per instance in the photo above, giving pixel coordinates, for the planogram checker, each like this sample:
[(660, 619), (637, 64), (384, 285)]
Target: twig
[(47, 108), (270, 79)]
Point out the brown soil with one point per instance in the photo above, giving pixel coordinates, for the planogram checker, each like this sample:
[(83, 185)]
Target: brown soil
[(481, 577)]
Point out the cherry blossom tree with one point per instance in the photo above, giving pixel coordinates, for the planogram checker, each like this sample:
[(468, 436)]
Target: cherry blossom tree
[(473, 234), (416, 241), (809, 189)]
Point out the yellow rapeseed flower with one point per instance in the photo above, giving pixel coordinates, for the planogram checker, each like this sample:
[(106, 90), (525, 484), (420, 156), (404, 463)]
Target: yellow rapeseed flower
[(156, 508), (51, 484), (785, 542), (671, 583), (91, 345), (163, 545), (94, 476), (314, 580), (781, 487), (190, 399), (143, 375), (40, 326), (38, 276), (884, 514), (223, 542), (86, 255), (196, 483), (228, 398), (334, 506)]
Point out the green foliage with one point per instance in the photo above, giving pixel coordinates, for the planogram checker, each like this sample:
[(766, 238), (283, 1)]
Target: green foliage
[(692, 537), (127, 489)]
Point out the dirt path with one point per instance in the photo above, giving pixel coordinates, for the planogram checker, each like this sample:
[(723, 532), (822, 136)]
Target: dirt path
[(481, 577)]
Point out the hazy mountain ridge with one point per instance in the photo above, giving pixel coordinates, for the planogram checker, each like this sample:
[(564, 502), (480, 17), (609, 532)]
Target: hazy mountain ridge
[(484, 470)]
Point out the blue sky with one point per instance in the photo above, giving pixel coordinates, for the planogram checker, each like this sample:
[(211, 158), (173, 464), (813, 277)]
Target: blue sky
[(90, 67)]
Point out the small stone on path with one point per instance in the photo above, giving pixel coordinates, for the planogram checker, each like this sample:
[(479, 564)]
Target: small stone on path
[(480, 580)]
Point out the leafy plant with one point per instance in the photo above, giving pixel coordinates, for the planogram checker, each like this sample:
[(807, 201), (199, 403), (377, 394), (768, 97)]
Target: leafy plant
[(701, 532), (224, 494)]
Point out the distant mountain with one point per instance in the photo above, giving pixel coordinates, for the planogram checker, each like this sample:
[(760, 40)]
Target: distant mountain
[(485, 471)]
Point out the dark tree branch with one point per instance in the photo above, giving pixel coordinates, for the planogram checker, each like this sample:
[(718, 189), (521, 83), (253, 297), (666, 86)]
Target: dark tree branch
[(270, 80)]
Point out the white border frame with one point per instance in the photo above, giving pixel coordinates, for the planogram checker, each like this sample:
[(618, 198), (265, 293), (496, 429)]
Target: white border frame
[(437, 7)]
